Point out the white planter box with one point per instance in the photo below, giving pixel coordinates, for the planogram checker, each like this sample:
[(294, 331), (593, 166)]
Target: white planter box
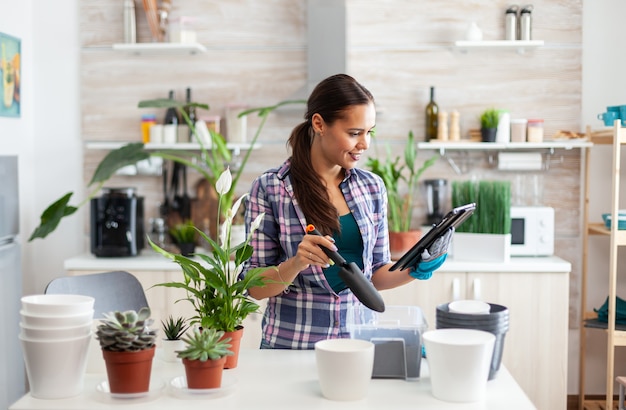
[(481, 247)]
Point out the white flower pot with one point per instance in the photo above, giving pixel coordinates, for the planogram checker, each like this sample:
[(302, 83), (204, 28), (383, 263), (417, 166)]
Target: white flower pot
[(168, 348), (481, 247)]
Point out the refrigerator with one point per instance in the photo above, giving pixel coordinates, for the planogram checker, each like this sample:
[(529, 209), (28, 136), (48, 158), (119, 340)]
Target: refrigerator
[(12, 374)]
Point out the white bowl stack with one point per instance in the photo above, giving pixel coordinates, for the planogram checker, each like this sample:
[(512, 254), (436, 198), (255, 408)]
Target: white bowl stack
[(55, 336)]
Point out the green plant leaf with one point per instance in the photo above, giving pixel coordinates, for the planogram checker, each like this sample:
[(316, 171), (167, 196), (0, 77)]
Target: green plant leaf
[(51, 217), (167, 103), (127, 155)]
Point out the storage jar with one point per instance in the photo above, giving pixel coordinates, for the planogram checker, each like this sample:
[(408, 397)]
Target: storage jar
[(518, 129), (535, 130)]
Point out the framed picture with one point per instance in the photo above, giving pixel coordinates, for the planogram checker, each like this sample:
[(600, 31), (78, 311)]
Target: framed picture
[(10, 55)]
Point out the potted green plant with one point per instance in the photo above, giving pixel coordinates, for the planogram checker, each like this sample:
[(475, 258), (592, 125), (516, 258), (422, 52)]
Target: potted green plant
[(486, 235), (209, 161), (220, 300), (128, 345), (489, 120), (185, 237), (401, 178), (204, 356), (173, 330)]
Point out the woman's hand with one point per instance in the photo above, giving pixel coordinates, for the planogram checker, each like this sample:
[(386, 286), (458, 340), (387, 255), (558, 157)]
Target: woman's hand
[(310, 253)]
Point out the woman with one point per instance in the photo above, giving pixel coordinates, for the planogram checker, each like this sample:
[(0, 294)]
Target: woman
[(320, 185)]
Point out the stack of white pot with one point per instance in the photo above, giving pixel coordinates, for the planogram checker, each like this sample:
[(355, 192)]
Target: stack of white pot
[(55, 335)]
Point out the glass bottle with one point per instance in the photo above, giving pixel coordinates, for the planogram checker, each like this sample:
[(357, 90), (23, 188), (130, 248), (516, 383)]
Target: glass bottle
[(432, 112), (191, 112)]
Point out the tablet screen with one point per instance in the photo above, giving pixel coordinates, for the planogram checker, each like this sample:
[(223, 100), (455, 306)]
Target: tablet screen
[(452, 219)]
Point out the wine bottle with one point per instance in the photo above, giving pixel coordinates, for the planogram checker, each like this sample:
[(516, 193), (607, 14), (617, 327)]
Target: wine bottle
[(191, 112), (171, 116), (432, 112)]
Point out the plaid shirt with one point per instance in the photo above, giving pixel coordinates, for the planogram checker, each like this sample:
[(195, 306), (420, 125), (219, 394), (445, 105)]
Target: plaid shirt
[(310, 310)]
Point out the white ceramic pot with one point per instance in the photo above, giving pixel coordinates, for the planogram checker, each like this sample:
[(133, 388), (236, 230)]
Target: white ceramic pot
[(167, 350), (459, 362), (344, 368)]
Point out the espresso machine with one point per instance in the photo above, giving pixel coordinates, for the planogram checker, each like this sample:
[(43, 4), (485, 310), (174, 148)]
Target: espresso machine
[(436, 196), (117, 226)]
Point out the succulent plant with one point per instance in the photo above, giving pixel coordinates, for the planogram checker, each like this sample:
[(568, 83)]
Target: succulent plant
[(205, 344), (126, 331), (174, 328)]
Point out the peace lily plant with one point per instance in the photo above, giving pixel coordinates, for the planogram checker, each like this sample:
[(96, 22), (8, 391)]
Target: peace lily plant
[(220, 300)]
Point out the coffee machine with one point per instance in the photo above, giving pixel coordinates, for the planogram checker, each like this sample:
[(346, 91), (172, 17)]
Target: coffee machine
[(117, 226), (436, 194)]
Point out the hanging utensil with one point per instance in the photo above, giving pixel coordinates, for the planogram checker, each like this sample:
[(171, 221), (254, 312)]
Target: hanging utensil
[(185, 200)]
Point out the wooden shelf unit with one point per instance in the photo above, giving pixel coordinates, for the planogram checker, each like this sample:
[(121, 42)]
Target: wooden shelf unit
[(616, 335)]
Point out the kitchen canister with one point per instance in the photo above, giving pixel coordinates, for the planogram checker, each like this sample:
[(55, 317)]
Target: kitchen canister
[(525, 23), (518, 129), (535, 130), (510, 23)]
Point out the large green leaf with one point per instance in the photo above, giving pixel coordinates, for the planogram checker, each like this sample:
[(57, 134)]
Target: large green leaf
[(127, 155), (51, 217), (167, 103)]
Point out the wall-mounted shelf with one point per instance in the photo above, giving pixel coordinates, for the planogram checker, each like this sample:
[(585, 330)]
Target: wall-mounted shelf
[(519, 45), (463, 149), (160, 48), (182, 146), (500, 146)]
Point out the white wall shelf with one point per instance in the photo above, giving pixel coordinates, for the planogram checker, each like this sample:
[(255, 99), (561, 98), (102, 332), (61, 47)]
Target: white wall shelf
[(519, 45), (499, 146), (182, 146), (160, 48)]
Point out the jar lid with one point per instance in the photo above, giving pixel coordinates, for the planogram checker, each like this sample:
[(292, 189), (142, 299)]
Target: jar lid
[(519, 121), (535, 120)]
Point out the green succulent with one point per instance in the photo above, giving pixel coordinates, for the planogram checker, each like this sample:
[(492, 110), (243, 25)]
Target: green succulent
[(205, 344), (174, 328), (126, 331)]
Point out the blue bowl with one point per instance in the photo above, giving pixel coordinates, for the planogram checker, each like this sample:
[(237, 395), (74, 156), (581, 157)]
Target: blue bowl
[(621, 220)]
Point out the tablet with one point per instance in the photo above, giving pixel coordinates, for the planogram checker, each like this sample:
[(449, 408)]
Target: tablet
[(452, 219)]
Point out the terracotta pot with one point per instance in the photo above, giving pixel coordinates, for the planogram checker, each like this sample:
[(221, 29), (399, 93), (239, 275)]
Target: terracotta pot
[(204, 375), (401, 242), (129, 372), (235, 342)]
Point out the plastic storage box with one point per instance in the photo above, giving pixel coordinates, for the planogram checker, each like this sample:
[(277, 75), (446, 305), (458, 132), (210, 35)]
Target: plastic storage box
[(397, 336)]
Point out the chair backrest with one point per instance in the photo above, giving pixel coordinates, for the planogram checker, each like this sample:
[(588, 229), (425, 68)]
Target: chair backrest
[(112, 291)]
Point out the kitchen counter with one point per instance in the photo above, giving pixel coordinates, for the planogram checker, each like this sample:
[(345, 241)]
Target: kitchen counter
[(281, 379), (148, 260)]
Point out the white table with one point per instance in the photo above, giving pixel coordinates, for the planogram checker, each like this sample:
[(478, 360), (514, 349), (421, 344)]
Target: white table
[(281, 379)]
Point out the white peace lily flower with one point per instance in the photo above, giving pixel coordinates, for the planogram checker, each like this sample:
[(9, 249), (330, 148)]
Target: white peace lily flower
[(257, 222), (255, 225), (235, 207), (224, 182)]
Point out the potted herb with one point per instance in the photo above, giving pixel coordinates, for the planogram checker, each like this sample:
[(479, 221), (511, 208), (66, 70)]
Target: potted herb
[(185, 237), (401, 178), (128, 346), (486, 235), (219, 299), (489, 120), (173, 330), (204, 357)]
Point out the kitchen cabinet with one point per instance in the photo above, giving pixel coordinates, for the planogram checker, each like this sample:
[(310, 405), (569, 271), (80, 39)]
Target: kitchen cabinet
[(589, 319), (538, 301)]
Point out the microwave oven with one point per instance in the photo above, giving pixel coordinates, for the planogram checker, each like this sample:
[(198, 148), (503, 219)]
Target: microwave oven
[(532, 231)]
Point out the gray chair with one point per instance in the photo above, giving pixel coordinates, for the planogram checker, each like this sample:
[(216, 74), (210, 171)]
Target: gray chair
[(112, 291)]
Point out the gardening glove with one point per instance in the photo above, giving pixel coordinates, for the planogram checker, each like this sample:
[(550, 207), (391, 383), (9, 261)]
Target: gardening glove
[(433, 257)]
